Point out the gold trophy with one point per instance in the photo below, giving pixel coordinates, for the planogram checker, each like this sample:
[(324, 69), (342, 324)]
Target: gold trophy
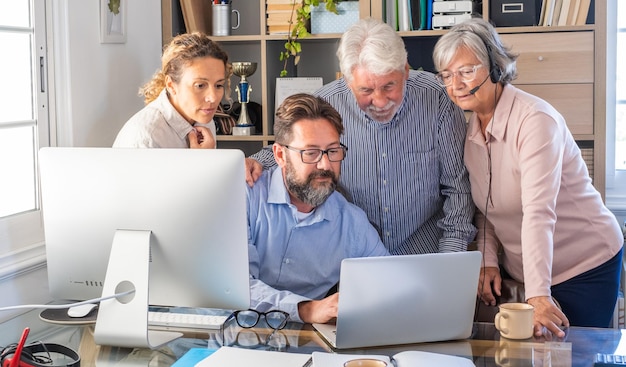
[(243, 70)]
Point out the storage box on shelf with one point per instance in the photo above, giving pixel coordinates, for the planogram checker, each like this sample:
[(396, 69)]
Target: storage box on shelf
[(447, 13), (514, 13), (323, 21)]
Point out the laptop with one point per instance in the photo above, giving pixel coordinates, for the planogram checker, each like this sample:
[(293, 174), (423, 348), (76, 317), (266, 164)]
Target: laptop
[(404, 299)]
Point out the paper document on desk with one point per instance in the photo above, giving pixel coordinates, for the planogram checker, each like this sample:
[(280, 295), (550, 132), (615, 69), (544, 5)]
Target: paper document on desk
[(237, 357), (403, 359)]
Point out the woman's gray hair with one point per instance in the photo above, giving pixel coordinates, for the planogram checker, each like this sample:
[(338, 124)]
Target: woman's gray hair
[(481, 38), (373, 45)]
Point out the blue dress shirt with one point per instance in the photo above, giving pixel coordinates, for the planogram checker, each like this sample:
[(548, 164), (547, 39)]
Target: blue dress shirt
[(293, 261)]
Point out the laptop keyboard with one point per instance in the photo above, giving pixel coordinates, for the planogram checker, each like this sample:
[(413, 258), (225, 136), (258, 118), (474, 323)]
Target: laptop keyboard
[(185, 320)]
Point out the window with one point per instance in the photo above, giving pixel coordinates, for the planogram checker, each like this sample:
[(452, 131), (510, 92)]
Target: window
[(23, 122), (616, 109), (620, 110)]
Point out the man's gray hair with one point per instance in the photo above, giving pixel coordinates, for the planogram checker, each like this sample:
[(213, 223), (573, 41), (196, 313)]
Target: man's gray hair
[(372, 45)]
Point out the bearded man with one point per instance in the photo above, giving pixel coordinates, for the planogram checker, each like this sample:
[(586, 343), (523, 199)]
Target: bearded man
[(299, 227)]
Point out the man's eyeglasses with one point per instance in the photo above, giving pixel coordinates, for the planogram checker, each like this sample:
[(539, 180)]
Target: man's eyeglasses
[(275, 319), (312, 156), (466, 73), (251, 339)]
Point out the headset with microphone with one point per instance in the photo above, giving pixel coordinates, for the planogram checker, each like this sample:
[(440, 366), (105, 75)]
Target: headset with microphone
[(495, 74), (476, 88)]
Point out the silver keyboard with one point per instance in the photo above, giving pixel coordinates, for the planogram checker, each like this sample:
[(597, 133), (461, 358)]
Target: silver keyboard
[(185, 320)]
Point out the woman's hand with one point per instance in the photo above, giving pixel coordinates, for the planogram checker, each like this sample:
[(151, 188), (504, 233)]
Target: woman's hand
[(489, 283), (201, 138), (548, 315)]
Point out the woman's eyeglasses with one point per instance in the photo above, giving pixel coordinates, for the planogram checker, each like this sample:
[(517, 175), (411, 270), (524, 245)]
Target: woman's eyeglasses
[(466, 73)]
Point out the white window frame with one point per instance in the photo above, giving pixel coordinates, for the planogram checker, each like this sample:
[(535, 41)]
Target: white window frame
[(21, 235), (615, 179)]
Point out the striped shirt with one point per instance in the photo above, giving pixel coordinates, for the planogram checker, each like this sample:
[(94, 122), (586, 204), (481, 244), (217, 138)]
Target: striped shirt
[(407, 175)]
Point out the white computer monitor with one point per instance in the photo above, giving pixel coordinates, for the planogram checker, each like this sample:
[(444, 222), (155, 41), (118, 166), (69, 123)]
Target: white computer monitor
[(191, 202)]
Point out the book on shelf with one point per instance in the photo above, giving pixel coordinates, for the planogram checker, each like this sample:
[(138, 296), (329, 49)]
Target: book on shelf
[(574, 12), (424, 14), (278, 29), (416, 16), (283, 16), (542, 12), (279, 15), (565, 7), (429, 14), (270, 7), (391, 13), (583, 11), (571, 12), (549, 12), (277, 23), (564, 12), (403, 15), (557, 11)]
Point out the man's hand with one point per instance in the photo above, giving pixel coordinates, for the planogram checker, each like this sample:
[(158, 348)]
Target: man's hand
[(320, 311), (489, 283), (253, 171), (548, 315), (201, 138)]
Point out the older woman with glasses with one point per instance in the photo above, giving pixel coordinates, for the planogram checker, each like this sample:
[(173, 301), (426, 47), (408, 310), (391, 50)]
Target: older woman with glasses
[(533, 192)]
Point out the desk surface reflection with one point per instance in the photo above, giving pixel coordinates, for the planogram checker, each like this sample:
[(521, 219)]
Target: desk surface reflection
[(484, 348)]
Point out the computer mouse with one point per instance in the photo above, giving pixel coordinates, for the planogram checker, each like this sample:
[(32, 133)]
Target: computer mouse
[(81, 310)]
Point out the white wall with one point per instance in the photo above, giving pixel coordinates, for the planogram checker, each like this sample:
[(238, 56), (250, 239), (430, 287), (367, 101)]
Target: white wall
[(96, 83)]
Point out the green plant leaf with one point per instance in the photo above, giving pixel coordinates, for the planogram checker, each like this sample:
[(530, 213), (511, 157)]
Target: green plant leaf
[(299, 29), (114, 6)]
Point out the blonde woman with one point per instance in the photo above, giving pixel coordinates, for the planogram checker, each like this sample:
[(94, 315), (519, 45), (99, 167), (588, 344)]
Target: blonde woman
[(182, 97)]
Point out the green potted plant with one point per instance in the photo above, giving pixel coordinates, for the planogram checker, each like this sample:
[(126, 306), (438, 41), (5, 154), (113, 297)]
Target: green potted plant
[(298, 29)]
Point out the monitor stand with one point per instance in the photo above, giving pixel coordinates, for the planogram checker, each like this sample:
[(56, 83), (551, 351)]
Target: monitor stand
[(123, 321)]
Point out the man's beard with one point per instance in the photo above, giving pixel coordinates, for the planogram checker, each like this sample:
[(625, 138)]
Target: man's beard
[(305, 191), (384, 114)]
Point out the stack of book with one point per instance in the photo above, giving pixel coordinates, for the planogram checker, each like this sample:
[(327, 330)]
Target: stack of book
[(280, 14), (564, 12), (407, 15), (413, 15)]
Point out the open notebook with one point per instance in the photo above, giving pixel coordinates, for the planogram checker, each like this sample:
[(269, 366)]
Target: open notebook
[(404, 299)]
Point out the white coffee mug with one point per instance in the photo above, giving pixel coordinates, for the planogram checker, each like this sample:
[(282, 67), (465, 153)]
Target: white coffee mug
[(515, 320)]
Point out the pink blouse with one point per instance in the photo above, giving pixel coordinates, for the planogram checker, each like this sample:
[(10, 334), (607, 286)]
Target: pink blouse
[(540, 205)]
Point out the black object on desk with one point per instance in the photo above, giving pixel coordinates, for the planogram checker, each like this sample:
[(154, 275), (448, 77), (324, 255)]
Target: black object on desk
[(60, 316)]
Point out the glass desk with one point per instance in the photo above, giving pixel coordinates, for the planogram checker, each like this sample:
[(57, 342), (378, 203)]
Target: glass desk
[(484, 348)]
